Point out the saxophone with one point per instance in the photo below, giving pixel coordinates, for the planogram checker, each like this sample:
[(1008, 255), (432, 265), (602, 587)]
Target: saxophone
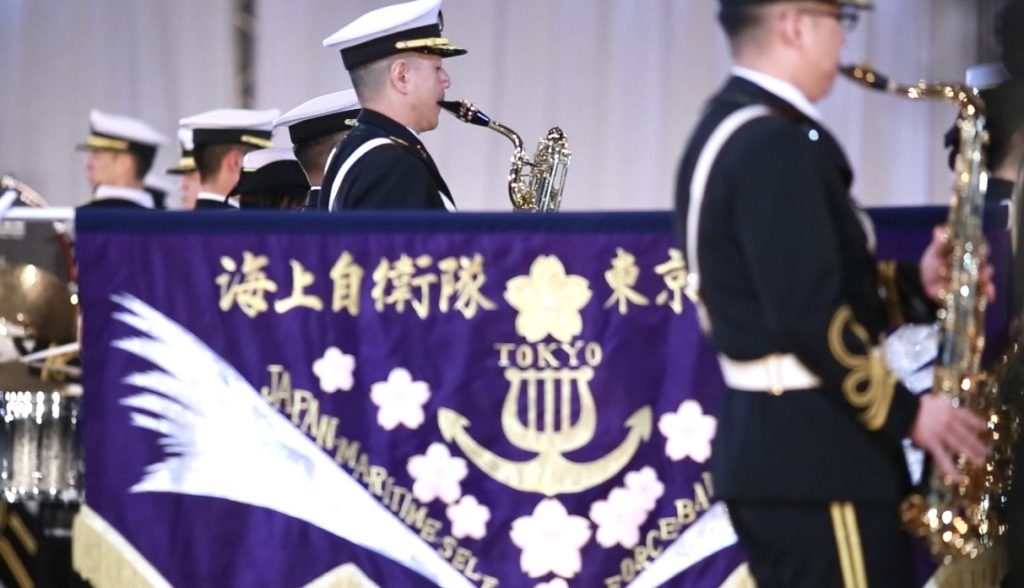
[(534, 184), (961, 518)]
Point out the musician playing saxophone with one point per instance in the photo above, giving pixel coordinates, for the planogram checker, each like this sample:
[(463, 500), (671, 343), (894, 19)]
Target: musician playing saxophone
[(808, 448), (393, 55)]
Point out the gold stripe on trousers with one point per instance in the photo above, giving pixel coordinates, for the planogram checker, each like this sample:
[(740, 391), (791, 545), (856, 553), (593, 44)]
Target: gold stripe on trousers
[(851, 556)]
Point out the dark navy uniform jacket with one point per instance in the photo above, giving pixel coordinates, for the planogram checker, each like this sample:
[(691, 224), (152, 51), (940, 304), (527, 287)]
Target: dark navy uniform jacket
[(400, 174), (107, 196), (113, 203), (786, 268), (213, 205)]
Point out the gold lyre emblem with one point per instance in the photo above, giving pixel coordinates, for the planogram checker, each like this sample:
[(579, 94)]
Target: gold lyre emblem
[(554, 395), (550, 433)]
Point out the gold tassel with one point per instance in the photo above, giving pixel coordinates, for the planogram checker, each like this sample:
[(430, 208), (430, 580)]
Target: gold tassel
[(740, 578), (105, 558), (344, 576)]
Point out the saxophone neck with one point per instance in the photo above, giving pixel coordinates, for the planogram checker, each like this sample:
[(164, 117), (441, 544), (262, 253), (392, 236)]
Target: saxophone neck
[(971, 105), (468, 113), (513, 136)]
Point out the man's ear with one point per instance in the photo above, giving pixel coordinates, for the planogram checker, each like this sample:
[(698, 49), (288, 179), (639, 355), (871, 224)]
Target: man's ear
[(398, 74), (789, 26), (125, 164), (233, 161)]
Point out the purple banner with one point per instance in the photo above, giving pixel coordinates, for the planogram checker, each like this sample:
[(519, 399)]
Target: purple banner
[(460, 400), (490, 401)]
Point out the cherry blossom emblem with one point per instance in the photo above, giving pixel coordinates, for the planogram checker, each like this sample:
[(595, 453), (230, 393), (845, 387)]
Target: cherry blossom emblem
[(438, 474), (400, 400), (548, 300), (335, 370), (551, 540), (688, 432), (620, 516), (469, 518)]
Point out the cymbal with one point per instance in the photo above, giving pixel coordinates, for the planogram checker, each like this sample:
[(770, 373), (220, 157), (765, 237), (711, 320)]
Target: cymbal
[(37, 301)]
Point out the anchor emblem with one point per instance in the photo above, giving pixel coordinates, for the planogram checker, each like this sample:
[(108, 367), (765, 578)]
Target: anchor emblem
[(549, 433)]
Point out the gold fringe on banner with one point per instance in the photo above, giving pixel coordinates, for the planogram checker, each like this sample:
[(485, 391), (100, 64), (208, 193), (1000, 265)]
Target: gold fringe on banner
[(344, 576), (105, 558), (986, 571), (740, 578)]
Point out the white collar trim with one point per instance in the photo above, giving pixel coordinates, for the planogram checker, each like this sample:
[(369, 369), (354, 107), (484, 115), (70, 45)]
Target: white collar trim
[(217, 198), (140, 197), (780, 88)]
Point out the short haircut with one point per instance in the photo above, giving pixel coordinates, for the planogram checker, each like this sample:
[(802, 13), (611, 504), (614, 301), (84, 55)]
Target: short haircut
[(369, 79), (209, 158), (738, 22), (143, 163), (312, 155)]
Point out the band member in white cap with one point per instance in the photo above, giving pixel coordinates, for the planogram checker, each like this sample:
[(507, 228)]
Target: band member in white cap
[(393, 55), (121, 151), (316, 126), (221, 138), (271, 179), (186, 168)]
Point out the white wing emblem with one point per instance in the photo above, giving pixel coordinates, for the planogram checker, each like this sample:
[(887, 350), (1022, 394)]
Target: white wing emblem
[(222, 440)]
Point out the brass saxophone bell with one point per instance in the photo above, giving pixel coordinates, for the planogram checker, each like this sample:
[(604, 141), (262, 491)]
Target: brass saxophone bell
[(534, 184)]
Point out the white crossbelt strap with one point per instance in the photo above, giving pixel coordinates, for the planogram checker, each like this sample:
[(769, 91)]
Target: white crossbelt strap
[(449, 204), (774, 373), (699, 183), (359, 152)]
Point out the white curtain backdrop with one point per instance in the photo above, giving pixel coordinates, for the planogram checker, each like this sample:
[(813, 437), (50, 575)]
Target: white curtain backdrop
[(157, 60), (625, 79)]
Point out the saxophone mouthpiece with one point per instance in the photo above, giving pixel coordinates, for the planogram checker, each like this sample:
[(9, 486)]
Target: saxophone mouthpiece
[(868, 76), (466, 112)]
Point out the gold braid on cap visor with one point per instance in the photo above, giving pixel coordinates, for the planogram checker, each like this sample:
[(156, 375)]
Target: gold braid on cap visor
[(429, 43), (97, 142), (257, 141)]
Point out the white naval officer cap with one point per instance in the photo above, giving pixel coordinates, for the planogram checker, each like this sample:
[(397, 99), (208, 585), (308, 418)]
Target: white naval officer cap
[(231, 126), (986, 75), (320, 116), (186, 161), (112, 132), (271, 169), (410, 26)]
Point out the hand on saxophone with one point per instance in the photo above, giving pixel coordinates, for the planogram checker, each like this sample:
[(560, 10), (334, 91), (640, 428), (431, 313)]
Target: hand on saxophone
[(935, 268), (945, 432)]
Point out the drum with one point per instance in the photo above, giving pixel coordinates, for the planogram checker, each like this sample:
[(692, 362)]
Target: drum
[(40, 457)]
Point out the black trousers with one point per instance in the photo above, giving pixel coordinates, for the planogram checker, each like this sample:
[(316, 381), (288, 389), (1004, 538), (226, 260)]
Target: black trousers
[(837, 544)]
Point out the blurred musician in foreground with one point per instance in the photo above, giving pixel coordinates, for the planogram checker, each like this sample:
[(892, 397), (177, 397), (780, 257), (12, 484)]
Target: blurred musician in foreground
[(120, 153), (315, 128), (808, 450), (393, 55)]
